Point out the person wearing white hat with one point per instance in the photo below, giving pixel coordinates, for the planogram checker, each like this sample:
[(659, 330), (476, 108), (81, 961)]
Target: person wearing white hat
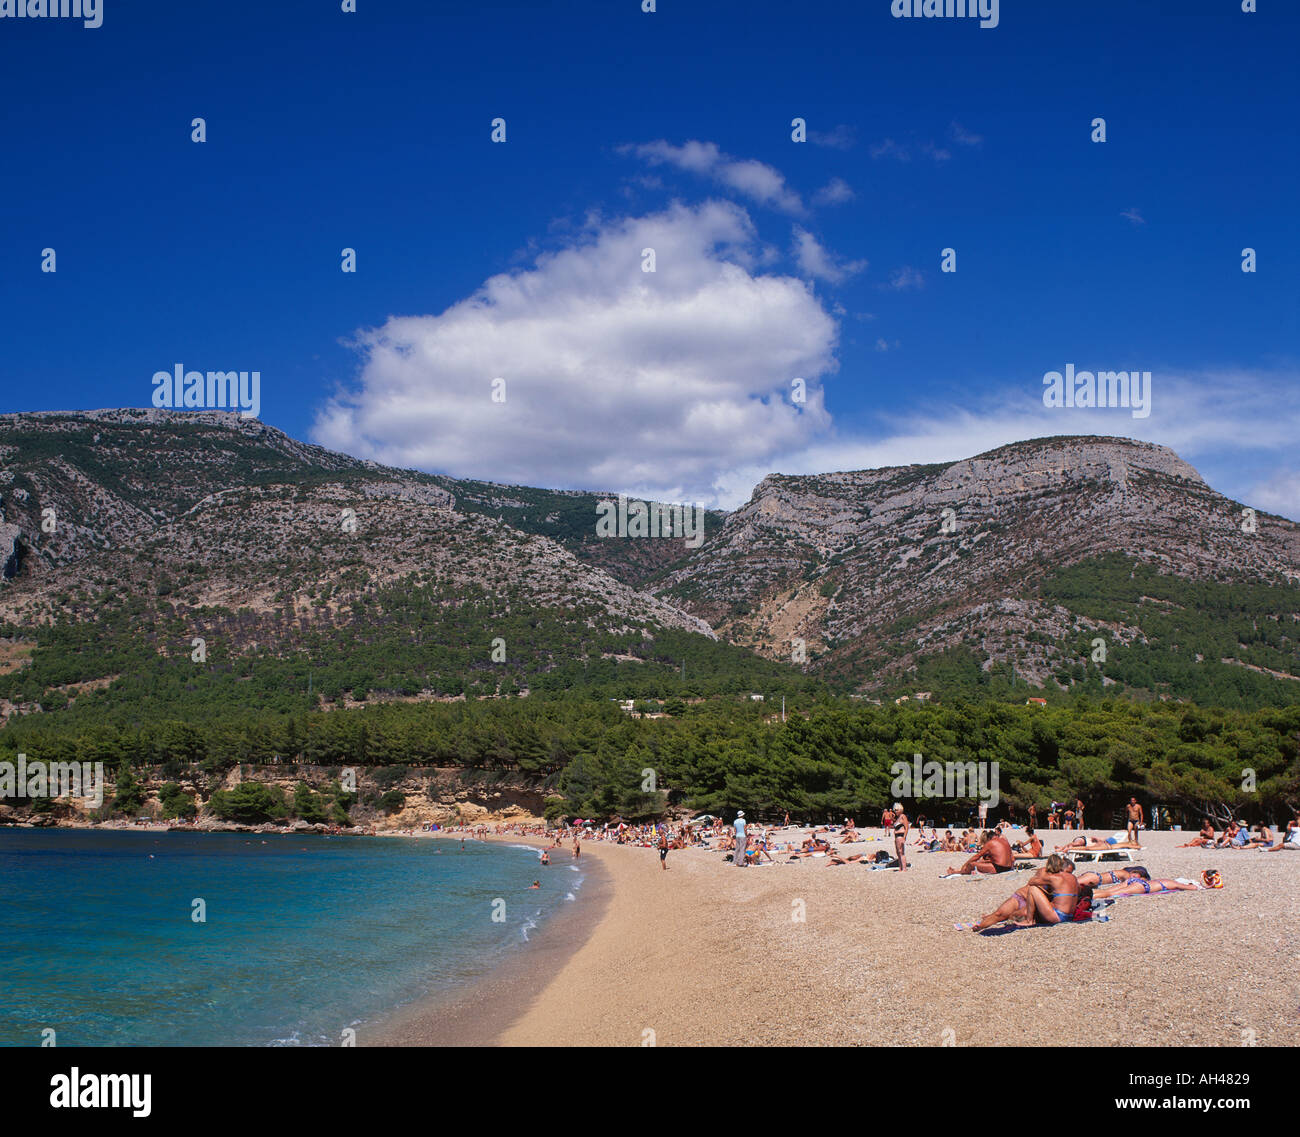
[(739, 856)]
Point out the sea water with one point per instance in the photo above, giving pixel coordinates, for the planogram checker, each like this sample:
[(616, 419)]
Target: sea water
[(302, 938)]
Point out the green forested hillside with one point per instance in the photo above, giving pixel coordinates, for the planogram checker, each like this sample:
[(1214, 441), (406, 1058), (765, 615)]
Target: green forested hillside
[(1177, 635), (829, 759)]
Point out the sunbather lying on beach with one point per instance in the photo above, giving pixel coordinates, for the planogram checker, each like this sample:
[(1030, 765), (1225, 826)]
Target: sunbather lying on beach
[(1089, 881), (1102, 845), (994, 856), (1143, 887), (835, 859), (1049, 898)]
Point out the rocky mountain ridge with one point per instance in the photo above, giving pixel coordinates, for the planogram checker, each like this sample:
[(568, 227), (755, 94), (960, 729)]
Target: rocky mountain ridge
[(853, 575)]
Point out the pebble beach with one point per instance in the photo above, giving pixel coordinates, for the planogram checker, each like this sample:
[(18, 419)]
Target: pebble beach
[(806, 953)]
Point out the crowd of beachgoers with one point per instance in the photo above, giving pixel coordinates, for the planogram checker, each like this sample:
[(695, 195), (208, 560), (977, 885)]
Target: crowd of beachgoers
[(1058, 890)]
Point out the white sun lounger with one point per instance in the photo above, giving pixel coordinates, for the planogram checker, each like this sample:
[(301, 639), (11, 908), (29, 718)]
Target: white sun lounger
[(1077, 855)]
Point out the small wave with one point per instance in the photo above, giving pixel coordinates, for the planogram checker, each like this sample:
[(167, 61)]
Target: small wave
[(294, 1039), (574, 868), (569, 896)]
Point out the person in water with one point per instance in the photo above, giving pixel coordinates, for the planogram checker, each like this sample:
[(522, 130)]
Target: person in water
[(546, 857), (535, 884)]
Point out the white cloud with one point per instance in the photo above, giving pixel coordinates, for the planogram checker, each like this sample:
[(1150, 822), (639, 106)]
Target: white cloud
[(658, 383), (835, 192), (1279, 494), (964, 137), (904, 278), (1134, 215), (1236, 426), (840, 138), (891, 149), (815, 260), (903, 152), (677, 384), (756, 180)]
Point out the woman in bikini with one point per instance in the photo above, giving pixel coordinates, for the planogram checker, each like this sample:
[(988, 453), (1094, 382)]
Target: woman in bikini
[(1145, 887), (1088, 881), (901, 826), (1016, 909), (1101, 845), (1053, 900)]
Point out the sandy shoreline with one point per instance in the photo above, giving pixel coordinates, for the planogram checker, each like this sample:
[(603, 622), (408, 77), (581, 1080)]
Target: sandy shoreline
[(709, 954), (480, 1014)]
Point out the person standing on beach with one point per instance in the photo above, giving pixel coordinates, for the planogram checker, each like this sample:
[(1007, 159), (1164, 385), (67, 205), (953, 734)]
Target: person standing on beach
[(738, 857), (901, 826), (663, 850), (1135, 816), (1033, 816), (1078, 812)]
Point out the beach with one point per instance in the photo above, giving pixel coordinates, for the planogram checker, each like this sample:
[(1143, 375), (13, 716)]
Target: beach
[(706, 954)]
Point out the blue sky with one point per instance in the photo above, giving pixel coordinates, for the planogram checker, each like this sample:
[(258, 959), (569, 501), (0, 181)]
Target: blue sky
[(670, 130)]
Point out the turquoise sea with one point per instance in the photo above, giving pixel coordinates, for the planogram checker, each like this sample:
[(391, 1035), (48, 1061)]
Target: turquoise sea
[(304, 937)]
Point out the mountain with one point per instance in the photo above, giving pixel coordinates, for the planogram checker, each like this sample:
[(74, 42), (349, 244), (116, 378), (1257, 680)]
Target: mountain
[(157, 554), (156, 561), (880, 569)]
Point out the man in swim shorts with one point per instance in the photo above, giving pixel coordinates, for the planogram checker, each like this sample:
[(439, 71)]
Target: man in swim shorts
[(1135, 818), (994, 856)]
